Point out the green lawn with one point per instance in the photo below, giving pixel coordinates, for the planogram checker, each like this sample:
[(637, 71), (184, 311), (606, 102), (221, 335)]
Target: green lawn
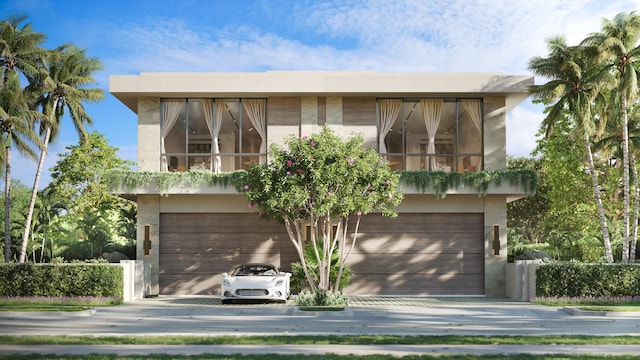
[(317, 357)]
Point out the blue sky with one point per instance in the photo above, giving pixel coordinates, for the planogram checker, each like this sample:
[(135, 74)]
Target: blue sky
[(136, 36)]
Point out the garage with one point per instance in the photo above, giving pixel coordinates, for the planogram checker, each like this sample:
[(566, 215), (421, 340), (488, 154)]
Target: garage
[(412, 254), (196, 248), (419, 254)]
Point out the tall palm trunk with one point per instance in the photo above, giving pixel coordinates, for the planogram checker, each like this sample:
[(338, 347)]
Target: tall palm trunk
[(34, 194), (636, 209), (596, 192), (625, 178), (7, 201)]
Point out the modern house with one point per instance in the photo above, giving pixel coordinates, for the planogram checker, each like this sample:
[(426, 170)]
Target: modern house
[(222, 122)]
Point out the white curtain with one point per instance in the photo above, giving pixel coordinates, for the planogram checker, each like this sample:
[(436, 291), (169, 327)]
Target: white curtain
[(431, 112), (473, 109), (389, 110), (215, 134), (207, 109), (171, 109), (257, 110)]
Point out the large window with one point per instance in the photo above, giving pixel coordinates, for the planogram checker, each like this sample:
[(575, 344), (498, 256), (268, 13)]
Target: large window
[(216, 135), (431, 134)]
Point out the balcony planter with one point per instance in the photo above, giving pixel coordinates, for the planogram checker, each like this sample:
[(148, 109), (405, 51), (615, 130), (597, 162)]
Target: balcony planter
[(438, 183)]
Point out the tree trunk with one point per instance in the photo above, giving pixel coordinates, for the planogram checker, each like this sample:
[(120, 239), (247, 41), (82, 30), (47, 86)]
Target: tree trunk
[(296, 239), (7, 201), (625, 178), (636, 209), (343, 259), (34, 194), (596, 192)]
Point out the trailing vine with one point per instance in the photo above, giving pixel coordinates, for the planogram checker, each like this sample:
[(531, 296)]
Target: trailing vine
[(165, 180), (437, 181), (440, 182)]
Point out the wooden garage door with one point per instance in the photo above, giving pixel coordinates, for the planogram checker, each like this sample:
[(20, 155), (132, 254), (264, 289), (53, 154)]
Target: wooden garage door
[(419, 254), (412, 254), (195, 249)]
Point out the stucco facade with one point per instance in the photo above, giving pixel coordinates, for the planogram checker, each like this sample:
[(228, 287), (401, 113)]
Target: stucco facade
[(343, 101)]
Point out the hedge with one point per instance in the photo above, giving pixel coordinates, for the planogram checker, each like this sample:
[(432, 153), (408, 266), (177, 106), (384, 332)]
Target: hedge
[(61, 280), (587, 280)]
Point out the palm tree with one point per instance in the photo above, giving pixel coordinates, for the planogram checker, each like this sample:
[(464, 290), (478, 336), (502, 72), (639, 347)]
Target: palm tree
[(15, 118), (46, 219), (573, 86), (18, 53), (67, 71), (610, 145), (617, 47)]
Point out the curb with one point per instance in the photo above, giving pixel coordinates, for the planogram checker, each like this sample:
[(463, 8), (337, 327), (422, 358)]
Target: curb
[(578, 312)]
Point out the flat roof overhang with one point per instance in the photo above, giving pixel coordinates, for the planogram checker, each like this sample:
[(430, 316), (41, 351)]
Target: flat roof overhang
[(129, 88)]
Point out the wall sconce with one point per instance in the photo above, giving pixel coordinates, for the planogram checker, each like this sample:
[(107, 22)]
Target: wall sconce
[(147, 239), (496, 240)]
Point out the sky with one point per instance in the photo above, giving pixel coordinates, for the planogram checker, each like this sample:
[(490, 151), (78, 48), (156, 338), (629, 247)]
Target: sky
[(135, 36)]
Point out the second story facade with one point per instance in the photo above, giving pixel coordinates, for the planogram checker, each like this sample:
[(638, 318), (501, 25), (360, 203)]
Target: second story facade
[(223, 122)]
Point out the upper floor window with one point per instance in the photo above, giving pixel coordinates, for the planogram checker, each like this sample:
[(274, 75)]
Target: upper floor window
[(217, 135), (431, 134)]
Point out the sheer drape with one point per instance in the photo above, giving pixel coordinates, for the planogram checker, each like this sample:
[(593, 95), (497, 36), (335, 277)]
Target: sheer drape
[(431, 112), (207, 109), (473, 109), (257, 110), (215, 133), (171, 109), (389, 110)]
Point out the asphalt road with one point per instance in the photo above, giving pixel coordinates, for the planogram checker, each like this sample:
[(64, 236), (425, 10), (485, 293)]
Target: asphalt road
[(202, 316)]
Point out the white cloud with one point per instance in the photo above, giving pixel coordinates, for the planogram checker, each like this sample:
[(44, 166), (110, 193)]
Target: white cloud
[(383, 35), (523, 123)]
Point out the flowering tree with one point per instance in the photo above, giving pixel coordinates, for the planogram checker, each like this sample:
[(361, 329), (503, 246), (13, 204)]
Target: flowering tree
[(322, 181)]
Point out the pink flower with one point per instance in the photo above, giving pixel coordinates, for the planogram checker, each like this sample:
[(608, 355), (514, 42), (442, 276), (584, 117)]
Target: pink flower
[(359, 213), (351, 161), (246, 187), (288, 172), (289, 163), (329, 193), (305, 137), (251, 205), (312, 143), (300, 171), (388, 182)]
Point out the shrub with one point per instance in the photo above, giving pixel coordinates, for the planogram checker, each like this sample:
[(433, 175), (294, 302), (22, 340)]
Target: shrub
[(96, 279), (587, 280), (298, 278), (321, 298)]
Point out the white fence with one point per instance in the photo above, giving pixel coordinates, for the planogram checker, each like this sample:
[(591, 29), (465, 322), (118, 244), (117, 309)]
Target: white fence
[(521, 279), (136, 279)]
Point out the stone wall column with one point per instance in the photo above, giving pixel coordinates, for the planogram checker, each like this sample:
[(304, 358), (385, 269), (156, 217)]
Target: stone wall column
[(495, 135), (149, 134), (309, 115), (334, 114), (149, 215), (495, 218)]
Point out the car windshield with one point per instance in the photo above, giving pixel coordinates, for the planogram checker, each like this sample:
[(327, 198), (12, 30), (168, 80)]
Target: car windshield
[(255, 270)]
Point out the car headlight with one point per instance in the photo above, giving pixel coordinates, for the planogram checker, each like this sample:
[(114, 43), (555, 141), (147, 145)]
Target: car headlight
[(279, 282), (226, 282)]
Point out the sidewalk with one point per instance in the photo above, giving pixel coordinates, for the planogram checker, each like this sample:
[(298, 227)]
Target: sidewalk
[(205, 316), (361, 350)]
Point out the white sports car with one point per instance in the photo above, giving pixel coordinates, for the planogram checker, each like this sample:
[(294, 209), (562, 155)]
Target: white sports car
[(255, 282)]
